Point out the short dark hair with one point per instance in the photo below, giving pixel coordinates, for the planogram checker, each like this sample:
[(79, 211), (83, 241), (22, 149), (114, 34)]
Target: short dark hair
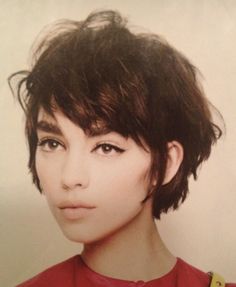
[(136, 84)]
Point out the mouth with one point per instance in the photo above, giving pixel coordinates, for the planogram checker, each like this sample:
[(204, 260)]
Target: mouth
[(75, 212)]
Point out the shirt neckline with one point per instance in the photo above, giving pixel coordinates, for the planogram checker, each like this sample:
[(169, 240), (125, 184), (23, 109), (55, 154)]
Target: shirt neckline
[(94, 276)]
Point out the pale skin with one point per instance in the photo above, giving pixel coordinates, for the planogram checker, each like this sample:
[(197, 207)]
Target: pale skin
[(95, 186)]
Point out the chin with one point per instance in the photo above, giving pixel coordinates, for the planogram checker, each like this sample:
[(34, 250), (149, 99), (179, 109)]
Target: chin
[(79, 237)]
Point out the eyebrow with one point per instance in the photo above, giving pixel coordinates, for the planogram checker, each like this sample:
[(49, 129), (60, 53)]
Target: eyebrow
[(98, 130), (48, 127)]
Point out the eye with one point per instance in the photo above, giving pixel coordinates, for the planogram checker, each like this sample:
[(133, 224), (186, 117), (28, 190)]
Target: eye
[(108, 149), (49, 145)]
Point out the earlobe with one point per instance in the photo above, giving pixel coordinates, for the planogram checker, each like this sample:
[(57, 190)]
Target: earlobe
[(175, 158)]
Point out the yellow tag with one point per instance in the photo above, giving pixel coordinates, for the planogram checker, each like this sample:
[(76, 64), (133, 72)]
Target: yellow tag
[(217, 280)]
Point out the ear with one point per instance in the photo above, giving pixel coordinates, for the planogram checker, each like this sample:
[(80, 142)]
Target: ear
[(174, 160)]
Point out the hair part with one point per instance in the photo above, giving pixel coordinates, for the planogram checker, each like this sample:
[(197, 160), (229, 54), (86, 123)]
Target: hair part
[(97, 70)]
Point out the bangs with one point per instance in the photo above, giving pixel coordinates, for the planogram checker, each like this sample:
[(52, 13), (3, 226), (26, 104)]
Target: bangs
[(92, 92), (95, 114), (94, 78)]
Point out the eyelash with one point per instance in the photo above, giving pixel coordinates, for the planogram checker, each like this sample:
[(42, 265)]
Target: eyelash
[(110, 146), (44, 142), (48, 141)]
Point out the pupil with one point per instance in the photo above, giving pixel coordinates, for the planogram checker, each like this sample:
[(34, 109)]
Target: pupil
[(53, 144), (106, 148)]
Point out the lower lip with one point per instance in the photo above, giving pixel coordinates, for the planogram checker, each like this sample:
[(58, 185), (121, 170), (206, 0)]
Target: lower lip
[(75, 213)]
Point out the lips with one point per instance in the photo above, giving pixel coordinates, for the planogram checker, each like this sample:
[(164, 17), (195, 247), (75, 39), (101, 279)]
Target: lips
[(75, 211)]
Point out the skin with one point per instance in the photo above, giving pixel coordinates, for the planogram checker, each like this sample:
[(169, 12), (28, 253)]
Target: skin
[(94, 186)]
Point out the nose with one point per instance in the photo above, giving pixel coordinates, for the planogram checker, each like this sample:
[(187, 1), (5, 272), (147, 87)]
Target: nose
[(75, 171)]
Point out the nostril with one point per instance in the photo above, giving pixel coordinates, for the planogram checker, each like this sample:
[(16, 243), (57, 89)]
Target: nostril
[(68, 188), (65, 187), (75, 171)]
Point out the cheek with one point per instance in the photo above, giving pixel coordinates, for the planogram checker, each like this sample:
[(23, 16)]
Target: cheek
[(47, 170), (128, 174), (119, 201), (122, 185)]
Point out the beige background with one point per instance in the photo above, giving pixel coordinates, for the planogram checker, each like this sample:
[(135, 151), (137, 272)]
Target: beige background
[(203, 230)]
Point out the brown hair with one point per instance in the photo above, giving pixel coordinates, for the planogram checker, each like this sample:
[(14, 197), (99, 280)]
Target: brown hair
[(137, 84)]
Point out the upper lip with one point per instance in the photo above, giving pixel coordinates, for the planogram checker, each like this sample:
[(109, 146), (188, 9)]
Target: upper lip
[(64, 205)]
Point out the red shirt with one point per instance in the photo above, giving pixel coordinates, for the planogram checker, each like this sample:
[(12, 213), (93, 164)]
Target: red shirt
[(74, 272)]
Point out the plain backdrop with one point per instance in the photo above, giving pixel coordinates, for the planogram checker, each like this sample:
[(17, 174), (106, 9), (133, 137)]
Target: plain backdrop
[(203, 230)]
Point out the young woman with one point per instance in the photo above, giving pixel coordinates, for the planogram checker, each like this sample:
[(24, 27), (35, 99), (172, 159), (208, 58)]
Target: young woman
[(116, 124)]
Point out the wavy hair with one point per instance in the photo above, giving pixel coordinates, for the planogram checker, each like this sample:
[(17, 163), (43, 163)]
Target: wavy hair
[(135, 83)]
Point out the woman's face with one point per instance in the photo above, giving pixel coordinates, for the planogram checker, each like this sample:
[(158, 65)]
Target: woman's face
[(94, 184)]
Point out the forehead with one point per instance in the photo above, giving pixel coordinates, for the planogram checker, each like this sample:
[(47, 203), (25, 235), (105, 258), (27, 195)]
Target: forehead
[(46, 116)]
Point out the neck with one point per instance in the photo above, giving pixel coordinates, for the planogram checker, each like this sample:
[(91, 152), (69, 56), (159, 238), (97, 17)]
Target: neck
[(136, 252)]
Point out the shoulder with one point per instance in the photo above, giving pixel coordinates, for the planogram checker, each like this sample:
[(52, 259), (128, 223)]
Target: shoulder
[(191, 276), (58, 275), (194, 277)]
